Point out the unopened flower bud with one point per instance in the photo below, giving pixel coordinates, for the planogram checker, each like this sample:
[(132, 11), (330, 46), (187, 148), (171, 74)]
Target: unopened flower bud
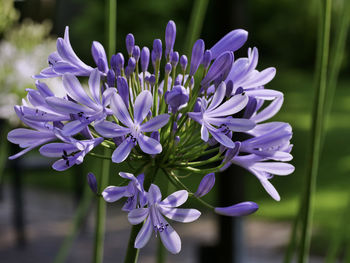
[(168, 68), (130, 43), (144, 59), (174, 58), (136, 53), (92, 182), (183, 62), (240, 209), (170, 35), (205, 185), (157, 49), (111, 78), (206, 59), (197, 55)]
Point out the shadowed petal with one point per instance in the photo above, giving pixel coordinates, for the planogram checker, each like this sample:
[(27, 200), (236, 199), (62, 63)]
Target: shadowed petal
[(232, 106), (143, 104), (155, 123), (113, 193), (269, 111), (149, 145), (240, 125), (223, 139), (62, 165), (66, 106), (56, 149), (170, 238), (76, 91), (144, 234), (154, 194), (94, 85), (175, 199), (274, 167), (73, 127), (204, 133), (119, 109), (218, 96), (136, 216), (110, 130), (180, 214), (270, 189), (122, 151)]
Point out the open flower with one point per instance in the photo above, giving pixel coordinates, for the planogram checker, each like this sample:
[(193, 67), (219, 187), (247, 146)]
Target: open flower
[(214, 117), (153, 214), (135, 128)]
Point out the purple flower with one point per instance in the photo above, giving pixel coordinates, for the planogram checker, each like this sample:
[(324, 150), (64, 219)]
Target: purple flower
[(71, 152), (28, 138), (130, 43), (215, 118), (153, 214), (134, 191), (64, 61), (197, 55), (135, 128), (144, 58), (240, 209), (91, 109)]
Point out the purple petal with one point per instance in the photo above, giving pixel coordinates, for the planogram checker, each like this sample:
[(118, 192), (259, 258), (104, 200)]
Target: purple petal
[(43, 89), (240, 125), (180, 214), (73, 127), (149, 145), (175, 199), (274, 167), (110, 130), (223, 139), (261, 78), (204, 133), (241, 209), (57, 149), (265, 94), (232, 106), (170, 238), (205, 185), (136, 216), (269, 111), (123, 89), (94, 84), (66, 106), (119, 109), (143, 104), (26, 137), (154, 194), (218, 96), (62, 165), (113, 193), (230, 42), (144, 234), (76, 91), (122, 151), (155, 123), (270, 189)]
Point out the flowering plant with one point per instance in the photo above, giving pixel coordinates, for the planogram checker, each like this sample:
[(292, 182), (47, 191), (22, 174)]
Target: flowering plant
[(182, 118)]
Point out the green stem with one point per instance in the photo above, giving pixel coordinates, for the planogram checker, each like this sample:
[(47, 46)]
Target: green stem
[(82, 211), (132, 253), (316, 138), (196, 22), (111, 11), (101, 212)]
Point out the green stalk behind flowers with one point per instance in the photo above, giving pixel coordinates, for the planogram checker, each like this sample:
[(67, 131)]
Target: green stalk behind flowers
[(317, 129)]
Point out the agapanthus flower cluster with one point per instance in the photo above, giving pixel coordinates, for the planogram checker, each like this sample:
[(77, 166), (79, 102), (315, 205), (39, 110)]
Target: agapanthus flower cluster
[(165, 114)]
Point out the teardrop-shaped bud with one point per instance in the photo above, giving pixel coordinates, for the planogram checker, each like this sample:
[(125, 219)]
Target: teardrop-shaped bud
[(205, 185), (240, 209)]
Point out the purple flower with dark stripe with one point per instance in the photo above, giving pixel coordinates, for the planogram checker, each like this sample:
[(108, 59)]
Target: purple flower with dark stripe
[(89, 109), (71, 152), (134, 129), (154, 220)]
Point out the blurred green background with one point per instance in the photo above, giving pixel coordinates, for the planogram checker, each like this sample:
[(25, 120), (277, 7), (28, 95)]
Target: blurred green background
[(285, 33)]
